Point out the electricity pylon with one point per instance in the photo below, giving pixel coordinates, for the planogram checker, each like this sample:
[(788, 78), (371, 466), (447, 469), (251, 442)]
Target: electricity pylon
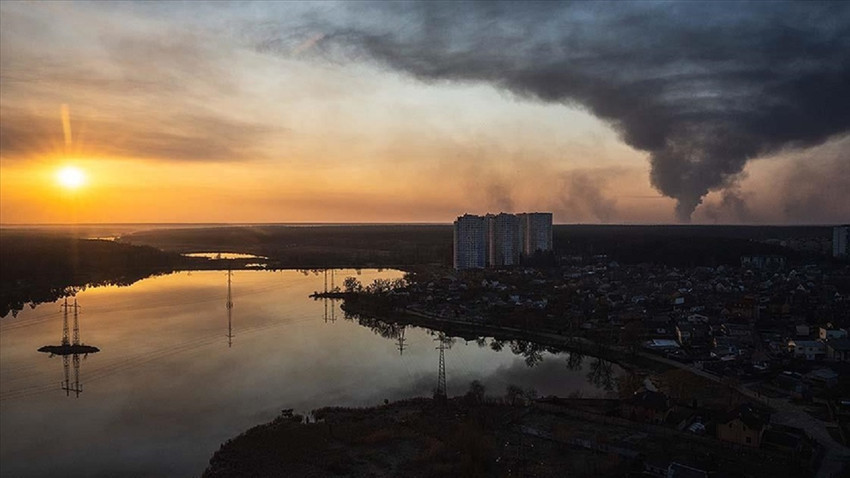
[(70, 350), (440, 391), (325, 300), (76, 388), (229, 306)]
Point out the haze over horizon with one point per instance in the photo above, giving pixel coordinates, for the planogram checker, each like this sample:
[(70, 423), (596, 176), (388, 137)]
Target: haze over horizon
[(336, 112)]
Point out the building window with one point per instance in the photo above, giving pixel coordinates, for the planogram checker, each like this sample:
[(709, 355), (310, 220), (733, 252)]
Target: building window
[(749, 440)]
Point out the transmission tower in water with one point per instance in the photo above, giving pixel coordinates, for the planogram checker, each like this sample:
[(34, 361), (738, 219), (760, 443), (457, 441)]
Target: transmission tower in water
[(70, 349), (329, 300), (229, 306)]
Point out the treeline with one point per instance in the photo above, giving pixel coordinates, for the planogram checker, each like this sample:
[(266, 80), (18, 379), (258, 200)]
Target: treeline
[(408, 245), (36, 268), (680, 246), (314, 246)]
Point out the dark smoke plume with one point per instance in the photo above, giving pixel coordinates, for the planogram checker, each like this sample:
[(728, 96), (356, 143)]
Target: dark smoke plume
[(702, 86)]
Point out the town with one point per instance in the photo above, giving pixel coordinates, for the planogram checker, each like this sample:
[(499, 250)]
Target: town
[(769, 336)]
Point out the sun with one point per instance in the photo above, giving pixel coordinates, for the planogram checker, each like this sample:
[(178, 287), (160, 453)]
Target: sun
[(70, 177)]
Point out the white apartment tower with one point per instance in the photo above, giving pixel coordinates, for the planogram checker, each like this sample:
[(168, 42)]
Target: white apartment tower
[(470, 242), (503, 239), (500, 239), (535, 232), (839, 240)]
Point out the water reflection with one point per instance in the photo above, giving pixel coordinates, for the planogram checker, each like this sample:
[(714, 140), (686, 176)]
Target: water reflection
[(223, 255), (601, 372), (140, 418)]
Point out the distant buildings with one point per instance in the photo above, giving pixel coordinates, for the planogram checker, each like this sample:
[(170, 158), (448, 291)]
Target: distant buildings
[(839, 240), (536, 231), (500, 239), (771, 262), (470, 242), (504, 239)]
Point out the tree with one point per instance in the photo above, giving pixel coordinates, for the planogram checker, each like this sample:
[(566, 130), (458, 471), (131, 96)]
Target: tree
[(352, 285), (574, 360), (475, 394), (628, 384), (631, 335), (514, 395), (601, 374)]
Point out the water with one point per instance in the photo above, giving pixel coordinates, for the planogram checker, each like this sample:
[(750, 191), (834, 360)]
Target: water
[(166, 388), (223, 255)]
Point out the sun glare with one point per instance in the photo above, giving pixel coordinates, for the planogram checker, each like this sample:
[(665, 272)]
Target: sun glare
[(70, 177)]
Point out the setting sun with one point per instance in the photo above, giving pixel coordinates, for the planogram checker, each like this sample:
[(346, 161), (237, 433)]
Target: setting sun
[(70, 177)]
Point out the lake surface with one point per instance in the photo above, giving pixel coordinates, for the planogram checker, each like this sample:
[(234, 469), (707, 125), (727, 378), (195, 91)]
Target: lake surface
[(168, 385)]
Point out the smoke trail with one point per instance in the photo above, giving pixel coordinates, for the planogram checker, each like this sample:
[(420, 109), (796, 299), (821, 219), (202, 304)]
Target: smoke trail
[(702, 86)]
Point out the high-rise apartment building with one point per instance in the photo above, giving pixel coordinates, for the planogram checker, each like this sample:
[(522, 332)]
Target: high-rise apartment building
[(840, 236), (503, 239), (500, 239), (470, 242), (535, 231)]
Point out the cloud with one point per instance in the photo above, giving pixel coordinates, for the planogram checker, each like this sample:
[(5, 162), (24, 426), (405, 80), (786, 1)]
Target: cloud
[(137, 86), (702, 87), (24, 133)]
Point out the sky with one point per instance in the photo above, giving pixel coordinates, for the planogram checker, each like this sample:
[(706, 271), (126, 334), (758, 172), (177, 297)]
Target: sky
[(602, 112)]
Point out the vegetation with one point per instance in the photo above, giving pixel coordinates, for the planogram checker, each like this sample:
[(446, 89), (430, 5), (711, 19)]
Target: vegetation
[(314, 246), (40, 268)]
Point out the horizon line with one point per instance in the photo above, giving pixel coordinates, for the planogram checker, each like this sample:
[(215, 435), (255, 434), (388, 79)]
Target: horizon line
[(411, 223)]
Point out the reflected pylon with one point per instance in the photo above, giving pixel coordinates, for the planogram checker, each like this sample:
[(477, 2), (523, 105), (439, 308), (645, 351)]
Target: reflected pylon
[(400, 341)]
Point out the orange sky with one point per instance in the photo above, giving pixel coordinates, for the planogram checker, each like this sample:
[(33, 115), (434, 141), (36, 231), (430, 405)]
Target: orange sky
[(174, 122)]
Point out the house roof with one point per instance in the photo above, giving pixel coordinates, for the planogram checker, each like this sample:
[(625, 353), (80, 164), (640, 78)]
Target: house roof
[(842, 344), (781, 439), (651, 400), (806, 343), (751, 416)]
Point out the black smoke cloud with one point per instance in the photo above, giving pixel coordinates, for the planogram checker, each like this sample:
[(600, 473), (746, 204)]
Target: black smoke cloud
[(702, 86)]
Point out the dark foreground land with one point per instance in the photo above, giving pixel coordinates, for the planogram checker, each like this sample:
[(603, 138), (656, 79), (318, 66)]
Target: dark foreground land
[(477, 436)]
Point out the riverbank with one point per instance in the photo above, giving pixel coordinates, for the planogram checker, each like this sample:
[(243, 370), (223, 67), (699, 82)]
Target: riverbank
[(478, 435), (470, 330)]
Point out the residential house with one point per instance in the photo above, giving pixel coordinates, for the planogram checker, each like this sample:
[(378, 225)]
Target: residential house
[(647, 406), (743, 425), (693, 334), (838, 349), (825, 333), (807, 349)]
